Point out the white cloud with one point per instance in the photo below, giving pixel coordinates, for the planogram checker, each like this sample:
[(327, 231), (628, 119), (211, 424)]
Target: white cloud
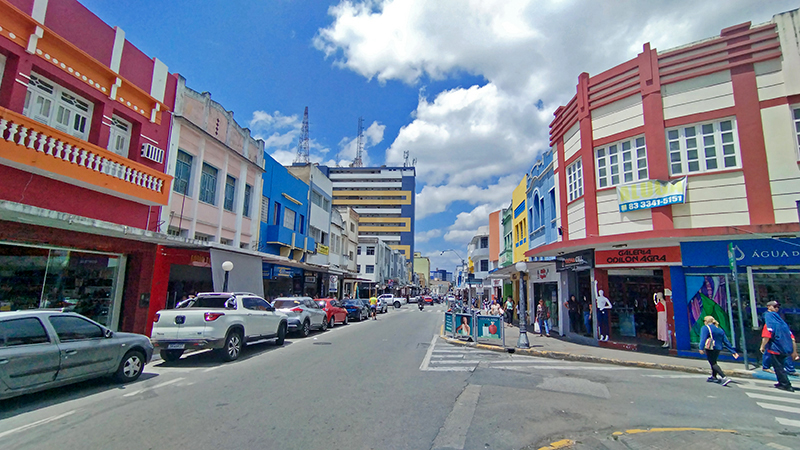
[(281, 134), (425, 236), (373, 135), (435, 199)]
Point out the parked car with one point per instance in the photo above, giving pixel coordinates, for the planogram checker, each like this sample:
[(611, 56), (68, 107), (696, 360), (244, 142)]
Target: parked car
[(42, 349), (303, 313), (222, 321), (333, 310), (390, 299), (356, 309), (383, 307)]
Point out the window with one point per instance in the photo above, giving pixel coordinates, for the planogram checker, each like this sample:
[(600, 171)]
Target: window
[(358, 250), (208, 185), (248, 192), (484, 242), (484, 265), (265, 209), (621, 162), (53, 105), (370, 268), (702, 148), (370, 251), (288, 219), (276, 216), (302, 224), (183, 173), (536, 212), (553, 213), (358, 268), (326, 204), (316, 198), (119, 138), (70, 328), (230, 193), (22, 332), (796, 113), (203, 237), (351, 256), (353, 226), (574, 180)]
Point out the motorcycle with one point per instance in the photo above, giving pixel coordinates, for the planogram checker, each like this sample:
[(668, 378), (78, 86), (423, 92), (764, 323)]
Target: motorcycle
[(420, 305)]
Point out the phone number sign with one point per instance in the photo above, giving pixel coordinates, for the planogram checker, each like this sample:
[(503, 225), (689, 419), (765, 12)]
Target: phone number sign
[(651, 194)]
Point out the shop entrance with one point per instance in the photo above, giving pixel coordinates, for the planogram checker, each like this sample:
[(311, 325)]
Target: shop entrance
[(549, 293), (185, 281), (634, 317)]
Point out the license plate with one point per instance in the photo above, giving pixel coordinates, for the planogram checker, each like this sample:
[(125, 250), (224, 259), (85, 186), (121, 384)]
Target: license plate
[(176, 346)]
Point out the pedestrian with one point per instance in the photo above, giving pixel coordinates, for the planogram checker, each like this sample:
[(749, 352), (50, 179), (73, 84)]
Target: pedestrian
[(572, 308), (587, 316), (509, 311), (542, 316), (495, 309), (712, 341), (777, 340)]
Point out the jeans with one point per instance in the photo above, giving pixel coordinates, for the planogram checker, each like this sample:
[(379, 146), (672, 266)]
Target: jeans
[(766, 363), (778, 362), (712, 356), (587, 320), (544, 327)]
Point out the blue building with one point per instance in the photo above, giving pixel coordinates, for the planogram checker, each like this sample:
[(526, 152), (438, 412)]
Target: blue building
[(541, 196), (284, 229), (442, 274)]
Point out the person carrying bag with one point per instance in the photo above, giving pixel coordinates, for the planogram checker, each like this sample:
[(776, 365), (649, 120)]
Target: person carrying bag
[(713, 339)]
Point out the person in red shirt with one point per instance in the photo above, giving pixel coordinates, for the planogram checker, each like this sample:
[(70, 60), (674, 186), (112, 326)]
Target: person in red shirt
[(778, 341)]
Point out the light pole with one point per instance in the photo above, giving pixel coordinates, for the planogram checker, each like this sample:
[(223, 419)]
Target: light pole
[(227, 266), (523, 307), (459, 257)]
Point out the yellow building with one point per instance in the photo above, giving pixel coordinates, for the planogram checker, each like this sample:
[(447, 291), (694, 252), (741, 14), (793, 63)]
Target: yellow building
[(422, 267), (519, 220)]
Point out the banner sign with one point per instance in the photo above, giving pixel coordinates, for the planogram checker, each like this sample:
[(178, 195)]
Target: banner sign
[(575, 261), (322, 249), (633, 257), (448, 323), (651, 194), (490, 327), (272, 271), (463, 325), (747, 252)]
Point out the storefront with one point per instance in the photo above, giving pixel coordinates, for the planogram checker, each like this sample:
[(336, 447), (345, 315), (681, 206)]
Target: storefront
[(575, 275), (630, 277), (313, 284), (282, 281), (543, 285), (767, 269)]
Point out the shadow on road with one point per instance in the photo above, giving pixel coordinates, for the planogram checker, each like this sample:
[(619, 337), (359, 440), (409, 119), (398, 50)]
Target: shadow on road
[(210, 358)]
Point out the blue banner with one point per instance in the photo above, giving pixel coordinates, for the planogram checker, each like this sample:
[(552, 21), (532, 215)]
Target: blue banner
[(748, 252), (463, 325), (448, 323), (490, 327)]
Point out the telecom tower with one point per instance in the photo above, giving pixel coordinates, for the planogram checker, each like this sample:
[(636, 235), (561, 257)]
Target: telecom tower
[(359, 144), (406, 162), (302, 144)]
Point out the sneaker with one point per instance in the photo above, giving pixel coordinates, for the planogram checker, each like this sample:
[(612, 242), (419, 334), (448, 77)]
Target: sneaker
[(725, 381), (711, 379), (784, 388)]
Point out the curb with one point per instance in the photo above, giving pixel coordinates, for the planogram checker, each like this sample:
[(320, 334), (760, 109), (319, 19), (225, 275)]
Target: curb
[(596, 359)]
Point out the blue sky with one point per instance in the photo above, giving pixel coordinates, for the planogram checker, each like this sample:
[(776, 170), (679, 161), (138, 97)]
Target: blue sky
[(468, 87)]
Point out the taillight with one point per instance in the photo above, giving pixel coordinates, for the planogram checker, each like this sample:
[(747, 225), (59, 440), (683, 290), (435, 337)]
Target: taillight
[(212, 316), (157, 316), (297, 310)]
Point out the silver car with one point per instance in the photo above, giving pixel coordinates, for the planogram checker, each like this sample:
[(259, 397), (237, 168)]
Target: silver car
[(41, 349), (303, 313)]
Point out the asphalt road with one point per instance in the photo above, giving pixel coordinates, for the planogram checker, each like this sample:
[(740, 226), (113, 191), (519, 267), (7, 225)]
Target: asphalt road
[(390, 384)]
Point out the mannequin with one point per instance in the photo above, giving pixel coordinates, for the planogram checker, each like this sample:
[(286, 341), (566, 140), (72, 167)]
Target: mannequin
[(661, 307), (603, 305)]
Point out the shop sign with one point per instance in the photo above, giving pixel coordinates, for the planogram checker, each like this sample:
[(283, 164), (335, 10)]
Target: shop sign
[(575, 261), (656, 256), (650, 194), (497, 283), (311, 277), (322, 249), (200, 260), (541, 274), (333, 281), (747, 252), (271, 271)]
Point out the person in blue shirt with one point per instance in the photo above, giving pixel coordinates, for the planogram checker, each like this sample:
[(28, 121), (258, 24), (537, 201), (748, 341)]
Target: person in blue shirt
[(712, 330), (778, 341)]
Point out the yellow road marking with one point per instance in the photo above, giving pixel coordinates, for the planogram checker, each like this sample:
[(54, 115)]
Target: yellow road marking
[(661, 430), (564, 443), (441, 330)]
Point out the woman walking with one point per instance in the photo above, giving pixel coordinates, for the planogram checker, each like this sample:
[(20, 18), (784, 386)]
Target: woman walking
[(541, 319), (712, 341)]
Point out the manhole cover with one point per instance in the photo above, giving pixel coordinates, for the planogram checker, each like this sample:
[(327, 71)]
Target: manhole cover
[(322, 343)]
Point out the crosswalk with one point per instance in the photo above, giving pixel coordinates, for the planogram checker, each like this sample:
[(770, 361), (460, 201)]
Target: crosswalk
[(443, 357), (786, 405)]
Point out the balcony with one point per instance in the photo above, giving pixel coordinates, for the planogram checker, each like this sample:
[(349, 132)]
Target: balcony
[(277, 234), (31, 146)]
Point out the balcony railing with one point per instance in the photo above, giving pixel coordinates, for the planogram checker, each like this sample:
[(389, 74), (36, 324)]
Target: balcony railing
[(35, 147)]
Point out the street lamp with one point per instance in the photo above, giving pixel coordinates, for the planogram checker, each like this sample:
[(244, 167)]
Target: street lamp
[(523, 307), (227, 266), (463, 263)]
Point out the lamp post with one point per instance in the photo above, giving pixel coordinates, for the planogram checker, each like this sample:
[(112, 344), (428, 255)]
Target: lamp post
[(227, 266), (523, 307), (463, 263)]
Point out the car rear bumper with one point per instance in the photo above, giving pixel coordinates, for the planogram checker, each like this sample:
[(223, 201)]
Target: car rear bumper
[(293, 323), (187, 344)]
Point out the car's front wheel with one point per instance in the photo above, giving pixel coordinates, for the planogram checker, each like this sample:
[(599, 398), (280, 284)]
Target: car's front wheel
[(305, 330), (131, 367), (332, 322), (171, 355), (346, 319), (324, 325), (281, 334), (233, 346), (397, 305)]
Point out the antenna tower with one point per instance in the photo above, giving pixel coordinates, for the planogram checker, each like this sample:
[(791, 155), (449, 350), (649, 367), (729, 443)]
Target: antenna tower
[(359, 144), (302, 144)]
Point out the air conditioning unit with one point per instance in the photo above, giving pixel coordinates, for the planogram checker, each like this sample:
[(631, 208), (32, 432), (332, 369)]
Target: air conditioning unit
[(152, 153)]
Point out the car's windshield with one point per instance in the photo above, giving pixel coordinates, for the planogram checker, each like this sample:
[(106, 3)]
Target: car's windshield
[(216, 301), (282, 304), (351, 302)]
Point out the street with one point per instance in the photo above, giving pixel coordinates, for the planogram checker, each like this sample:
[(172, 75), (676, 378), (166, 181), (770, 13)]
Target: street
[(393, 384)]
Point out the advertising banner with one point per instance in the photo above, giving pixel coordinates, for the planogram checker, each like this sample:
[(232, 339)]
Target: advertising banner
[(637, 257), (575, 261), (747, 252), (650, 194), (448, 323), (490, 327), (322, 249), (463, 325)]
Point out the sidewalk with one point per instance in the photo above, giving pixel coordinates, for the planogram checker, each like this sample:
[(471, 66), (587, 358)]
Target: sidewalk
[(589, 351)]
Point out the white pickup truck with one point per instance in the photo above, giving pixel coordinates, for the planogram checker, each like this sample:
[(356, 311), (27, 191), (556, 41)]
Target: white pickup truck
[(224, 322), (390, 299)]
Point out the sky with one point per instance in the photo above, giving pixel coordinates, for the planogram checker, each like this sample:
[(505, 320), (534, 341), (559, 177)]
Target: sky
[(467, 87)]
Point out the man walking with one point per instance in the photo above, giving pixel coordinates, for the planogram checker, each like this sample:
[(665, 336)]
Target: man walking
[(778, 341), (572, 308)]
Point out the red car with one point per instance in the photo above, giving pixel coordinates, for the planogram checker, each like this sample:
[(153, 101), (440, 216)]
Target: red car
[(334, 311), (428, 300)]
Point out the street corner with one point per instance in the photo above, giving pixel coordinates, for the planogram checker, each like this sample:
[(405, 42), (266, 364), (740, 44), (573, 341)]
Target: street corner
[(668, 438)]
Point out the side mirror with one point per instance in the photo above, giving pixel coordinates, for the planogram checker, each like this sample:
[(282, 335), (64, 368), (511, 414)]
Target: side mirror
[(108, 334)]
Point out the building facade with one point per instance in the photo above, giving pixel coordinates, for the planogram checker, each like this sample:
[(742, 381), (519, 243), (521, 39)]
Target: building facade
[(478, 260), (667, 160), (519, 221), (422, 267)]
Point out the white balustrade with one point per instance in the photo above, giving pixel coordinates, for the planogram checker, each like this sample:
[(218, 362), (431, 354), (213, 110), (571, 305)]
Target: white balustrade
[(40, 141)]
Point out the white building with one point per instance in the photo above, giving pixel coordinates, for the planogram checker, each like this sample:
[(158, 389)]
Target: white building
[(478, 260)]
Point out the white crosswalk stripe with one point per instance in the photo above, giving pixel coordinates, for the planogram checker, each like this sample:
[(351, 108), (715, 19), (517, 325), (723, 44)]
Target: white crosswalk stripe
[(777, 400)]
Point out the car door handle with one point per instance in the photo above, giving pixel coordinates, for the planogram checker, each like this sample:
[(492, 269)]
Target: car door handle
[(71, 352), (3, 361)]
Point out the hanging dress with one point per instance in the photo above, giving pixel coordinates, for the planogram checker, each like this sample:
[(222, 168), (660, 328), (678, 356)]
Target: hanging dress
[(663, 335)]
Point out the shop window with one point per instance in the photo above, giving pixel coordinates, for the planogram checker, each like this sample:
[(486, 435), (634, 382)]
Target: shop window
[(230, 193), (183, 172), (288, 219), (208, 185), (248, 192), (58, 107), (119, 137), (701, 148), (574, 180), (621, 162)]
